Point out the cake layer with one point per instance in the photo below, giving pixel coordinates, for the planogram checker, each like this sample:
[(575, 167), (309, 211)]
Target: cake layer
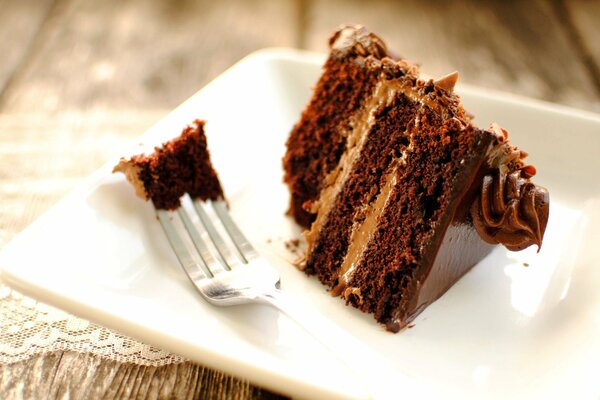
[(320, 137), (318, 140), (355, 184)]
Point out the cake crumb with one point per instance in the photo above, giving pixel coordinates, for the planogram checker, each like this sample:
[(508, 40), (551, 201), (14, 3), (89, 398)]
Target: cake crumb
[(300, 262), (292, 245), (269, 241), (353, 292), (297, 248)]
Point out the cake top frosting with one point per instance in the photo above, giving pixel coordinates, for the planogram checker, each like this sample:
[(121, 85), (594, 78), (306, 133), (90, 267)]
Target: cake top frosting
[(358, 41)]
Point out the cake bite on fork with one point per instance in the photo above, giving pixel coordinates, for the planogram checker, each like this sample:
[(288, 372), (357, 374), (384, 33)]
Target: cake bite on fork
[(180, 166)]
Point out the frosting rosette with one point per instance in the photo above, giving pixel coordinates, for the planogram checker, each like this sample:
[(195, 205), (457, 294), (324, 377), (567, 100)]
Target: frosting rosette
[(510, 209)]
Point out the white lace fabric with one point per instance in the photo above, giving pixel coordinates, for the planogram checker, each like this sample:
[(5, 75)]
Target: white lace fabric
[(28, 327)]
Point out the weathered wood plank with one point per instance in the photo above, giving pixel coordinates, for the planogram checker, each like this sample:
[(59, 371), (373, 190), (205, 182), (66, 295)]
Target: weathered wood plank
[(585, 15), (42, 157), (84, 376), (512, 46), (20, 22), (583, 18), (143, 54)]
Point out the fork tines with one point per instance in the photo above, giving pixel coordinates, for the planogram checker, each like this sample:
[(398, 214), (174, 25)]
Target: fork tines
[(205, 238)]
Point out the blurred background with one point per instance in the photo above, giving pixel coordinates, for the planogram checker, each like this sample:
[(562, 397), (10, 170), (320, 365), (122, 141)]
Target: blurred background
[(60, 55), (80, 79)]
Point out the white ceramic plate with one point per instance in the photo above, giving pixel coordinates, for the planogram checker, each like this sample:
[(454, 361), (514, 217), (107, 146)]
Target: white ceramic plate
[(505, 330)]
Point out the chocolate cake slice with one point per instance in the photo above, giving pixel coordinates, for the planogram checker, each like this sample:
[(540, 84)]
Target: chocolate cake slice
[(400, 192), (180, 166)]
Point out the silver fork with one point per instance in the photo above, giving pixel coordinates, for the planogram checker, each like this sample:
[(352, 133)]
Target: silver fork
[(227, 270)]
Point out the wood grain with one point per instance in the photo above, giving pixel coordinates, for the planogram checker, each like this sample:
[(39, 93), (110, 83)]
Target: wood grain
[(512, 46), (582, 26), (64, 375), (585, 17), (20, 23), (42, 157), (142, 54)]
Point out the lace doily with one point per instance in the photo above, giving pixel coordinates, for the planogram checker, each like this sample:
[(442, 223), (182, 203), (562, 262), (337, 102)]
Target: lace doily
[(28, 328)]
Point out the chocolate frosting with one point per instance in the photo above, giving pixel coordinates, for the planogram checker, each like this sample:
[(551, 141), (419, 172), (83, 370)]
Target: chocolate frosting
[(358, 42), (510, 209)]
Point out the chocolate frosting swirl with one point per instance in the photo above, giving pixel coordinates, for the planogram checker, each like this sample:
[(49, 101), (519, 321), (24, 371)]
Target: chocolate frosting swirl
[(510, 209)]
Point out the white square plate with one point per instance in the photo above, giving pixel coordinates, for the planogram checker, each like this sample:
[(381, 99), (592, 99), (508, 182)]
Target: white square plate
[(503, 331)]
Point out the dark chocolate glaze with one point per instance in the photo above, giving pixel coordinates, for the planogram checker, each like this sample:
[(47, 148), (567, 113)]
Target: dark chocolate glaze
[(456, 246), (499, 206)]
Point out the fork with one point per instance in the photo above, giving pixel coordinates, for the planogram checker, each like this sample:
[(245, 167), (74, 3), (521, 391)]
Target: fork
[(227, 270)]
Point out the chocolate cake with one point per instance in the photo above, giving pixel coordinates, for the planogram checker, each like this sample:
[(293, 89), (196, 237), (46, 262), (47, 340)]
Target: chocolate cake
[(401, 194), (180, 166)]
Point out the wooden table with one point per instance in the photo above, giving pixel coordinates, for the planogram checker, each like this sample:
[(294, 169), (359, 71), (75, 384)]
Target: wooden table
[(80, 79)]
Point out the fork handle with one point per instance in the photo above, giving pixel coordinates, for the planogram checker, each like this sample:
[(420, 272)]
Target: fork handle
[(383, 380)]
